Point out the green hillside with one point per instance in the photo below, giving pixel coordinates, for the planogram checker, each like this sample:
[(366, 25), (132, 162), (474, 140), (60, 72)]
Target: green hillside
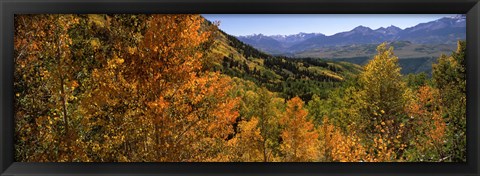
[(413, 58), (290, 77), (409, 65)]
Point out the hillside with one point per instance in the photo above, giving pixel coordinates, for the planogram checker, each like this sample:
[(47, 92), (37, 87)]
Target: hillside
[(173, 88), (403, 49), (414, 58), (288, 76)]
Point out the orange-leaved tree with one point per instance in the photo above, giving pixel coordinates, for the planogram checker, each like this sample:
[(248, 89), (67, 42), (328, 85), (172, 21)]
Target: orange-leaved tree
[(45, 88), (340, 147), (154, 100), (429, 129), (300, 139)]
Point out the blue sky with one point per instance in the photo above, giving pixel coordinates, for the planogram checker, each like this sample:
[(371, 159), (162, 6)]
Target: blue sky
[(328, 24)]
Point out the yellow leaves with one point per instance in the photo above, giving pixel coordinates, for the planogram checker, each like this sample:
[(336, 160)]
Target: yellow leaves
[(300, 138), (73, 84), (426, 120), (115, 62), (97, 20), (131, 50), (45, 74), (123, 158), (120, 61), (95, 43), (343, 148), (380, 151), (154, 98), (96, 147), (95, 73)]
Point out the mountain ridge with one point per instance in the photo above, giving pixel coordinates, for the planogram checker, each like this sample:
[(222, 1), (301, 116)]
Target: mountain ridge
[(445, 30)]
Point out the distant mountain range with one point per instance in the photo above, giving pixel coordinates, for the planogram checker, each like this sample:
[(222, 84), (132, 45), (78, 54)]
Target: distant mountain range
[(420, 40)]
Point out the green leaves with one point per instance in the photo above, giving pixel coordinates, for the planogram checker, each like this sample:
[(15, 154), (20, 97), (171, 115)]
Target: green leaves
[(449, 77)]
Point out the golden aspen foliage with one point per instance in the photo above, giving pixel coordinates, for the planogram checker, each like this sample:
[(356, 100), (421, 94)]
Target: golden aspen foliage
[(247, 143), (46, 81), (383, 84), (383, 90), (263, 105), (338, 146), (174, 88), (142, 92), (428, 128), (300, 141), (184, 113)]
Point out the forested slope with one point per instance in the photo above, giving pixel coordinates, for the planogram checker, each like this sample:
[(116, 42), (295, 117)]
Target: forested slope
[(173, 88), (301, 77)]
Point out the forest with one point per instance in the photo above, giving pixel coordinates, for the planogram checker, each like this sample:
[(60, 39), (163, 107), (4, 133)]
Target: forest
[(175, 88)]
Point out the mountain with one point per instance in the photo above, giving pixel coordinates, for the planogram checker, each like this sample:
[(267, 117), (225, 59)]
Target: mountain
[(358, 35), (277, 44), (289, 40), (264, 43), (389, 31), (289, 77), (447, 30)]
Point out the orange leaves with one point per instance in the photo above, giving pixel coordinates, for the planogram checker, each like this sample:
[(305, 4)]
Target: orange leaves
[(140, 88), (428, 127), (73, 84), (438, 131), (341, 147), (133, 92), (42, 51), (246, 145), (186, 106), (299, 137), (294, 112)]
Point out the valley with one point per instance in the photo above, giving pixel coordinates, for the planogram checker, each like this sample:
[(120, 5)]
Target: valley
[(291, 77)]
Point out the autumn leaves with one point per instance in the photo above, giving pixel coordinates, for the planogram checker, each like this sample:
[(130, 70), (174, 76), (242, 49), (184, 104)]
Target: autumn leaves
[(119, 88), (139, 88)]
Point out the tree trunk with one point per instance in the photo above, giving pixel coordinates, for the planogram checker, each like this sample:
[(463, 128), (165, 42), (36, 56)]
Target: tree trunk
[(64, 104)]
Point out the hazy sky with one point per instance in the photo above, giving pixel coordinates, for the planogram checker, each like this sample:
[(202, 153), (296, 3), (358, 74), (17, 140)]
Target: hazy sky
[(328, 24)]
